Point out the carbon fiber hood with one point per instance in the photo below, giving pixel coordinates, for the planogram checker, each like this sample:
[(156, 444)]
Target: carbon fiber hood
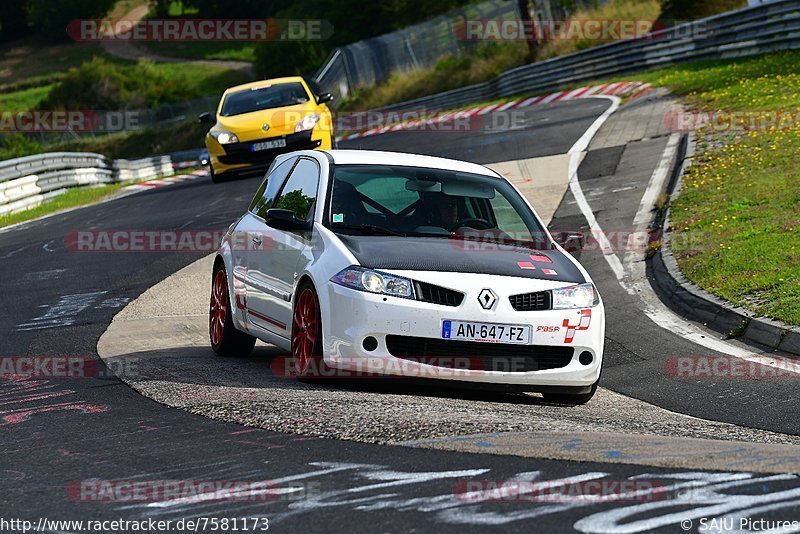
[(455, 255)]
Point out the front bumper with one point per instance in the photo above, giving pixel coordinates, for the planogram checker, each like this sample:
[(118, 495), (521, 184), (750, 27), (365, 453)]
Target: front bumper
[(403, 327), (239, 158)]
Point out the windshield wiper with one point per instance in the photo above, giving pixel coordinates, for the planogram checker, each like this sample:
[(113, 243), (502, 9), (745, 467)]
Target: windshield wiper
[(368, 229)]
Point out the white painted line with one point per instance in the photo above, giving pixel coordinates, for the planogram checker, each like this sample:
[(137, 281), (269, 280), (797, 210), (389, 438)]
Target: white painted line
[(657, 183), (576, 153)]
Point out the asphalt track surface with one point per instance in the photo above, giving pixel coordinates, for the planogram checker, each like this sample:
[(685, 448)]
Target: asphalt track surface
[(60, 431)]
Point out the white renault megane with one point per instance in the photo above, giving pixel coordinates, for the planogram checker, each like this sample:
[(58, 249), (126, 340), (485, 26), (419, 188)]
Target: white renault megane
[(406, 265)]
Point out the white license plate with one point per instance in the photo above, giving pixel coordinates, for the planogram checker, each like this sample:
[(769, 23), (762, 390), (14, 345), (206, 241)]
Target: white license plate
[(266, 145), (486, 332)]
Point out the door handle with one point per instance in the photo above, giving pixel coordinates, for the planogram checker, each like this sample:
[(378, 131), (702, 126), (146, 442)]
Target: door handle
[(257, 239)]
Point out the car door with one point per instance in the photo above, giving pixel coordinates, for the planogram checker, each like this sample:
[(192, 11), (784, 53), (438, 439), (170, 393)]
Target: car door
[(272, 270), (250, 233)]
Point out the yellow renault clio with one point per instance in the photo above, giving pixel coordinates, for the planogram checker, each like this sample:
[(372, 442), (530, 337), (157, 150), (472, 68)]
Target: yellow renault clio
[(257, 121)]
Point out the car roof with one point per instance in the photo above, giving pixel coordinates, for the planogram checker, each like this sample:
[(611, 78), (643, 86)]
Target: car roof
[(250, 85), (379, 157)]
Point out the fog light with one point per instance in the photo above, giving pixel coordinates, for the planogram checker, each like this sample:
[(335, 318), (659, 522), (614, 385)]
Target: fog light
[(369, 343), (586, 357)]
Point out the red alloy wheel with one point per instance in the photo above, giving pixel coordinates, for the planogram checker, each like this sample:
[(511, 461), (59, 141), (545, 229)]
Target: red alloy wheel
[(219, 307), (305, 331)]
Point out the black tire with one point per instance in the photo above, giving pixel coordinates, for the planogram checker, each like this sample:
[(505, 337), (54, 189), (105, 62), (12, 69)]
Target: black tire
[(309, 364), (225, 339), (573, 399), (215, 178)]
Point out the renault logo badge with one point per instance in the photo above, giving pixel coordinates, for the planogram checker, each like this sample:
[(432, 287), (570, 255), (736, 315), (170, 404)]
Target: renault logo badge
[(487, 298)]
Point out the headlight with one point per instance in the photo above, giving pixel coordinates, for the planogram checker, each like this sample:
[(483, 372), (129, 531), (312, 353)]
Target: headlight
[(375, 282), (579, 296), (307, 123), (225, 138)]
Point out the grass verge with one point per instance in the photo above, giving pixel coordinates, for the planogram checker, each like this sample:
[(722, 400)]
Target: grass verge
[(736, 221), (70, 199)]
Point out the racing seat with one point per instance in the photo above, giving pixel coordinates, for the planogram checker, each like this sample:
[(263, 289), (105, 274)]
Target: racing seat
[(346, 201)]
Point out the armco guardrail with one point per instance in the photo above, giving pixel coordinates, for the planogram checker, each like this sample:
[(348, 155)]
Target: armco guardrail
[(370, 61), (29, 181), (770, 27)]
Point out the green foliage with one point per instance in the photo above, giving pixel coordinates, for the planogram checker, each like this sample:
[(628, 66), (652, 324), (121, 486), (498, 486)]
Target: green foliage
[(25, 99), (127, 145), (274, 59), (692, 9), (350, 20), (482, 63), (228, 9), (13, 23), (297, 202), (49, 18), (16, 145), (140, 143), (98, 84)]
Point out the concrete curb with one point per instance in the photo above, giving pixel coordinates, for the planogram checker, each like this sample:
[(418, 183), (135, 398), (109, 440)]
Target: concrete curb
[(693, 302)]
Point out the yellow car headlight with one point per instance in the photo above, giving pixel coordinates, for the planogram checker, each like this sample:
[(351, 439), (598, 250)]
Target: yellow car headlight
[(225, 138), (307, 123)]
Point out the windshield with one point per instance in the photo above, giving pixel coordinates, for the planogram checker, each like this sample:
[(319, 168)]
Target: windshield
[(264, 97), (386, 200)]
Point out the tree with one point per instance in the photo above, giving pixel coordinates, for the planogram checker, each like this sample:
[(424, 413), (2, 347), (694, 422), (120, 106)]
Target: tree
[(13, 23), (50, 18)]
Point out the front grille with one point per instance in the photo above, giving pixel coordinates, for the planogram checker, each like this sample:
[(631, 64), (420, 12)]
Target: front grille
[(541, 300), (479, 356), (240, 152), (438, 295)]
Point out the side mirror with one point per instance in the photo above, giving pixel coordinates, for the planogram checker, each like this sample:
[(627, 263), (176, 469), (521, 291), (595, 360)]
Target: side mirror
[(570, 241), (206, 118), (324, 97), (284, 220)]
